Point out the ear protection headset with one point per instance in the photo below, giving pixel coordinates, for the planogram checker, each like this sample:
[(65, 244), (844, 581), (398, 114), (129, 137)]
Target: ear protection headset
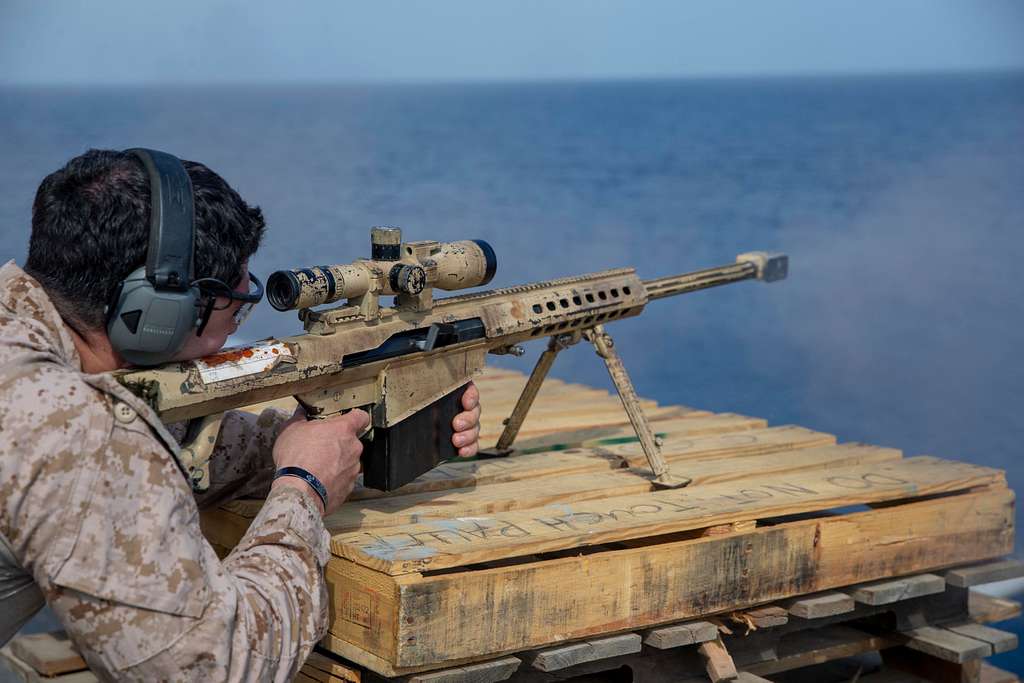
[(154, 309)]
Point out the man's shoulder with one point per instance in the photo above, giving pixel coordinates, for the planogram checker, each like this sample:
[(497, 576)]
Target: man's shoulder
[(38, 390)]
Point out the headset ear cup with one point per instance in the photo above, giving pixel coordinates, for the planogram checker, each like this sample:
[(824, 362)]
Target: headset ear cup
[(147, 326)]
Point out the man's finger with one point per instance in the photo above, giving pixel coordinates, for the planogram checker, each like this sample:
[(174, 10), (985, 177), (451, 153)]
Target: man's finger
[(471, 397), (464, 421), (359, 419), (467, 437)]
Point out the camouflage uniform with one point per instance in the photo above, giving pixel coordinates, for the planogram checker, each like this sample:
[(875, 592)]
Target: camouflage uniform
[(96, 509)]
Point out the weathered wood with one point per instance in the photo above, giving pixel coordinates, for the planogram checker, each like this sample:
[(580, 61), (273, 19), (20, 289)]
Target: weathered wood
[(571, 488), (318, 663), (677, 635), (564, 656), (48, 653), (26, 673), (752, 442), (485, 672), (368, 604), (987, 608), (885, 592), (717, 661), (988, 572), (1001, 641), (553, 465), (992, 674), (747, 677), (946, 645), (438, 617), (814, 646), (818, 606), (454, 542), (763, 617)]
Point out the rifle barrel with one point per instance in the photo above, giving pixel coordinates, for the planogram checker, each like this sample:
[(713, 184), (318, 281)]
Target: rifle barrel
[(749, 266), (671, 285)]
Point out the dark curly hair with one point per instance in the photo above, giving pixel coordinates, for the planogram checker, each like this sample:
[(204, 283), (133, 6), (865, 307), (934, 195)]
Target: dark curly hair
[(90, 229)]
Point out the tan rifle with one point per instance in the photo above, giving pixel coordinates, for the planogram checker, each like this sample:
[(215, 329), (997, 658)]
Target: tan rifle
[(408, 364)]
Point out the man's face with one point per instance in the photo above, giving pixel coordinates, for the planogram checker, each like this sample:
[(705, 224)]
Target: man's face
[(220, 326)]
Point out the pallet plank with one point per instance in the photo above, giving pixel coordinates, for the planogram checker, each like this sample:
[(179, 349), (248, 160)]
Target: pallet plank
[(819, 645), (988, 608), (822, 605), (989, 572), (677, 635), (564, 656), (1001, 641), (945, 645), (455, 542), (894, 590), (460, 474), (717, 661), (993, 674), (50, 654), (570, 488), (485, 672)]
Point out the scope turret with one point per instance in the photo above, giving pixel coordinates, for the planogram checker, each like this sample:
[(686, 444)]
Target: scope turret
[(407, 270)]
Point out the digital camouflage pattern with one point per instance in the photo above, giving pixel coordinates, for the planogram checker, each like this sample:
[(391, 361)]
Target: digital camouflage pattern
[(97, 510)]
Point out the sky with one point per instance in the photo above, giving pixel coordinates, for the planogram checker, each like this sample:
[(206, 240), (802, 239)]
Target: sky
[(203, 41)]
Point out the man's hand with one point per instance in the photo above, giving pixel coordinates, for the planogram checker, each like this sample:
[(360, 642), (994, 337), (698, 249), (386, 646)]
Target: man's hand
[(467, 424), (329, 449)]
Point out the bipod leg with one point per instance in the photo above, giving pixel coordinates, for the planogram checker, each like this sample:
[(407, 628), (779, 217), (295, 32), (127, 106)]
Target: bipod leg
[(605, 348), (540, 372)]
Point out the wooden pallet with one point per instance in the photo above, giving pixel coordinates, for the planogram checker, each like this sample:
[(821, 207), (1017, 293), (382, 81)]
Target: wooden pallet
[(928, 624), (922, 623), (483, 558)]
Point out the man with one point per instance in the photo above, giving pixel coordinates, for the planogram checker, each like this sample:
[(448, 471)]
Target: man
[(95, 514)]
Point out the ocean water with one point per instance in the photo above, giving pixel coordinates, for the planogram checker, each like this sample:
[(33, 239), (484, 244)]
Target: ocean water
[(900, 201)]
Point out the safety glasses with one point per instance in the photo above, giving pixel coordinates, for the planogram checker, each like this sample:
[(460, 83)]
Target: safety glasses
[(220, 296)]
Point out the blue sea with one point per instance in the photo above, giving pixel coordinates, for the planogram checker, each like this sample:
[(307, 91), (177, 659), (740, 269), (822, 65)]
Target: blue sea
[(899, 199)]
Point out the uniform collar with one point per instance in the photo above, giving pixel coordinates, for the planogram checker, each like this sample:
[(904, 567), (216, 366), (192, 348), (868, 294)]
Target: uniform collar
[(21, 295)]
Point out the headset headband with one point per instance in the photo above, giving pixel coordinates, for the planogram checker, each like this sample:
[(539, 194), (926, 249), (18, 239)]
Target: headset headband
[(169, 261)]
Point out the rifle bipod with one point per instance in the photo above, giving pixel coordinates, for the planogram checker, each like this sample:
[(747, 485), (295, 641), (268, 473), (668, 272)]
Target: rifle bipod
[(605, 348)]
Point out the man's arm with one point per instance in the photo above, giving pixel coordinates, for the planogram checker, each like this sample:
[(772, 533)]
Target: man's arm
[(97, 510), (242, 464)]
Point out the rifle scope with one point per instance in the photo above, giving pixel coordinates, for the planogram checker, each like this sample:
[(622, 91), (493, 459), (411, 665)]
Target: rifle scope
[(396, 267)]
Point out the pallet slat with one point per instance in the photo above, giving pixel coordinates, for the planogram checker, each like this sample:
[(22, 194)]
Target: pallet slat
[(564, 656), (455, 542), (894, 590), (569, 488)]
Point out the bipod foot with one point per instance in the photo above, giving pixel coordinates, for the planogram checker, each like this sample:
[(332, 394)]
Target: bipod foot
[(667, 480)]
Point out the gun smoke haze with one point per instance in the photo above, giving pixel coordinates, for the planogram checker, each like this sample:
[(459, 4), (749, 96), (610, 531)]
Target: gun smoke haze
[(899, 200)]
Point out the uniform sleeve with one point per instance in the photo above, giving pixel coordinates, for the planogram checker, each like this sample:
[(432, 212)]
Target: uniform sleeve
[(242, 464), (104, 520)]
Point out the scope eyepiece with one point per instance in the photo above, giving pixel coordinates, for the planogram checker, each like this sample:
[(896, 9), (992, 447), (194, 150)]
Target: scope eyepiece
[(283, 290)]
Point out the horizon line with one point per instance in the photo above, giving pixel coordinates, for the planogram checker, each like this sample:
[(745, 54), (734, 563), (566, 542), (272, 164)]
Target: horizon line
[(517, 80)]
